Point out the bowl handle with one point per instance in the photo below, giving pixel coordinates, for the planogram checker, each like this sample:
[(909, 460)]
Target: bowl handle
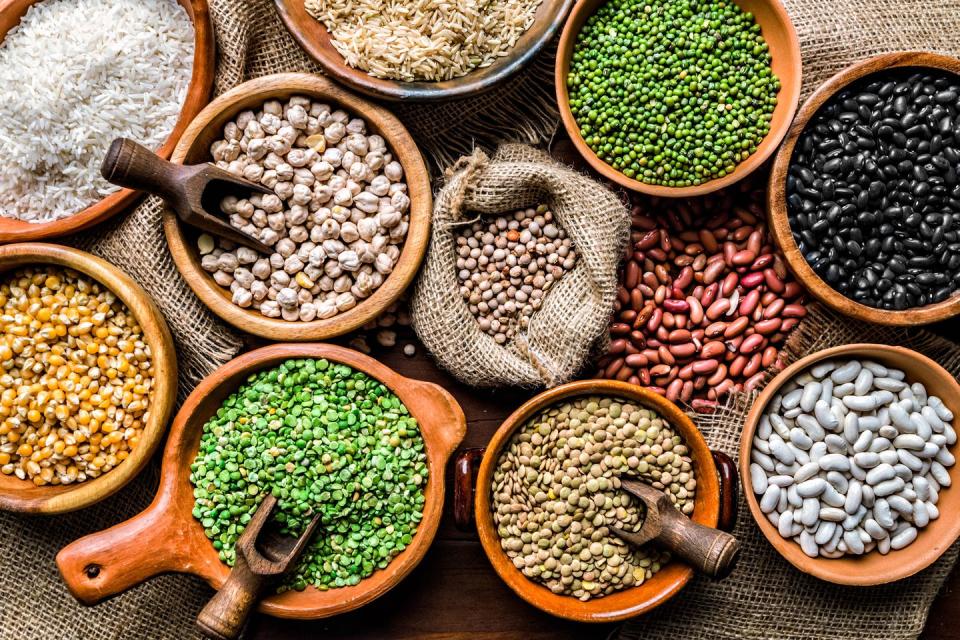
[(449, 416), (729, 490), (464, 476), (108, 562)]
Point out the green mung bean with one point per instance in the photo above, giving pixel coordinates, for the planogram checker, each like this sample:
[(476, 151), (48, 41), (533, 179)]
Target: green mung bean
[(324, 438), (672, 92)]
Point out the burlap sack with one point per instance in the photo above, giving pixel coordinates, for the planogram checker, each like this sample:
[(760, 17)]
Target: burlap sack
[(577, 307)]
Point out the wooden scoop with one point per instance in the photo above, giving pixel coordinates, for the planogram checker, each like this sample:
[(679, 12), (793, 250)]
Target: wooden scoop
[(263, 554), (711, 551), (191, 191)]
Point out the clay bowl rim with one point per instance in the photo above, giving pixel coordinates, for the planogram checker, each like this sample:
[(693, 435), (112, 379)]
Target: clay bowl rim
[(628, 602), (314, 39), (896, 565), (787, 60), (55, 499), (167, 538), (777, 200), (253, 92), (198, 94)]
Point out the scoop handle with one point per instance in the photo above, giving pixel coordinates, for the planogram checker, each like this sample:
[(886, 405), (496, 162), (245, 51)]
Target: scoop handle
[(108, 562), (133, 166), (227, 611), (711, 551)]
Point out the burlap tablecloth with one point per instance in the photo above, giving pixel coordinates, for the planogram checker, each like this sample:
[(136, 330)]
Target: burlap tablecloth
[(771, 600)]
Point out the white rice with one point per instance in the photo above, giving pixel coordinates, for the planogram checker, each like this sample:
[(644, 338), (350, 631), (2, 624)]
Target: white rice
[(74, 75), (428, 40)]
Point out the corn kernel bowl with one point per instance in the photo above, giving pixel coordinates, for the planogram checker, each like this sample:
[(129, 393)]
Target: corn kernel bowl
[(23, 494)]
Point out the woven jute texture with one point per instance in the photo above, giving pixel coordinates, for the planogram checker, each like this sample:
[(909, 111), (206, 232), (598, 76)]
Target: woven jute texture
[(577, 307), (765, 597)]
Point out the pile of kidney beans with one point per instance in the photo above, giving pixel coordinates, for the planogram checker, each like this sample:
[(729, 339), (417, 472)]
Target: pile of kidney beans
[(873, 192), (705, 300)]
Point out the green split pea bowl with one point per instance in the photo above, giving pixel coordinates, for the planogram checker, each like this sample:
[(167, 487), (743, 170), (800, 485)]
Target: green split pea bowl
[(167, 537)]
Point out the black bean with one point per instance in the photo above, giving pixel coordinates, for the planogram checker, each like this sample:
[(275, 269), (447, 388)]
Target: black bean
[(874, 189)]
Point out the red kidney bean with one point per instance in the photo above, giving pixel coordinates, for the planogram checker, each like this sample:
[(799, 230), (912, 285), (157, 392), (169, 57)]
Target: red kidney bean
[(680, 322), (652, 355), (753, 365), (666, 356), (729, 284), (713, 349), (762, 262), (684, 279), (766, 327), (636, 300), (723, 387), (794, 311), (624, 373), (754, 381), (687, 391), (767, 298), (769, 356), (749, 303), (660, 370), (673, 389), (664, 331), (718, 308), (715, 329), (737, 365), (736, 327), (789, 324), (644, 376), (773, 309), (613, 368), (633, 380), (686, 372), (713, 271), (632, 276), (792, 290), (636, 360), (743, 257), (676, 306), (655, 319), (638, 338), (773, 280), (650, 240), (617, 346), (751, 343), (704, 367), (687, 350), (678, 336), (619, 328), (718, 375), (696, 310), (631, 349), (751, 280)]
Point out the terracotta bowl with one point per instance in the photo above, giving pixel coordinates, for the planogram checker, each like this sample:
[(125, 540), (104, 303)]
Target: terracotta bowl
[(23, 495), (781, 37), (201, 85), (872, 568), (194, 148), (777, 196), (315, 40), (166, 538), (714, 505)]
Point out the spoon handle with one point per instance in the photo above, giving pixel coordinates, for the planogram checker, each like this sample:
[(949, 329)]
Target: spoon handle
[(711, 551), (224, 615), (133, 166)]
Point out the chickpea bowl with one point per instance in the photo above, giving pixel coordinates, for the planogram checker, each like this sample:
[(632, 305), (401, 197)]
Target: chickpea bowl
[(73, 328), (348, 219)]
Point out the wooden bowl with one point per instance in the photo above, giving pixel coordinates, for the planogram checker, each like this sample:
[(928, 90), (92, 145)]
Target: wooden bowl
[(23, 495), (714, 504), (194, 149), (777, 196), (167, 538), (781, 37), (198, 94), (315, 40), (872, 568)]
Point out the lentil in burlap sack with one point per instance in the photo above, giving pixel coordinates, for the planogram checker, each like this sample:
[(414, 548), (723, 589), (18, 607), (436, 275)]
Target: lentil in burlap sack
[(575, 310)]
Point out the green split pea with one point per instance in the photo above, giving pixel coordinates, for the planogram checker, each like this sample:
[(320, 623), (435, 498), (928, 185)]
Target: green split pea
[(324, 438), (672, 92)]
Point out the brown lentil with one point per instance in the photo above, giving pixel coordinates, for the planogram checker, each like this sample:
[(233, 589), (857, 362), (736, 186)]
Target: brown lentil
[(555, 493), (705, 300), (76, 377)]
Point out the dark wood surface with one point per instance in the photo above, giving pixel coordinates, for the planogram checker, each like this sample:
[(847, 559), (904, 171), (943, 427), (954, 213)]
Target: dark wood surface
[(454, 594)]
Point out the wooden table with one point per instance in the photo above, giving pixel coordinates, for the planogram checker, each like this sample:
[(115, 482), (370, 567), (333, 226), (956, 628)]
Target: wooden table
[(454, 593)]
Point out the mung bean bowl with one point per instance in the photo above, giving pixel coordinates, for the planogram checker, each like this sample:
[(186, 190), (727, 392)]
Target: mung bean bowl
[(883, 474), (861, 262), (65, 434), (780, 47), (343, 111), (713, 504), (171, 535)]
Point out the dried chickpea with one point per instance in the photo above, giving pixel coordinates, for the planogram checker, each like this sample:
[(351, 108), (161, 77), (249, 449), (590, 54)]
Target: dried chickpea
[(76, 377)]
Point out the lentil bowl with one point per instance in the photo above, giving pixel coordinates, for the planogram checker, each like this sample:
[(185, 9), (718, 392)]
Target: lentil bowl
[(166, 537), (713, 504), (23, 494)]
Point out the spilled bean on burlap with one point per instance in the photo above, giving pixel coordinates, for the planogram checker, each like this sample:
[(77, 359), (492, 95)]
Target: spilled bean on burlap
[(576, 309), (772, 601)]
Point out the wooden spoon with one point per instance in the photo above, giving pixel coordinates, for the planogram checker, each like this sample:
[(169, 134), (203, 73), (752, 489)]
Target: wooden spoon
[(263, 554), (191, 191), (710, 551)]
